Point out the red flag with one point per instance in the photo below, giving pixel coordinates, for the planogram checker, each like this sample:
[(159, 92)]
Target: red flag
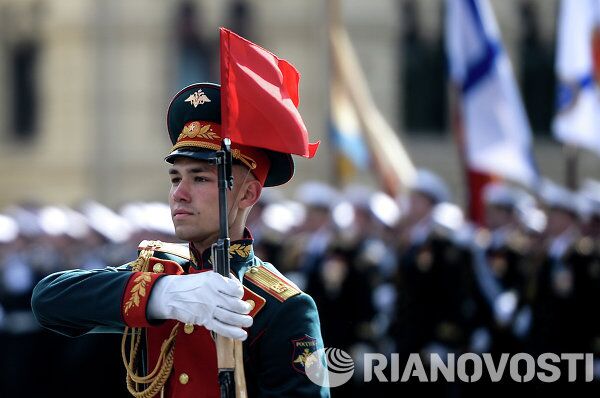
[(477, 181), (259, 98)]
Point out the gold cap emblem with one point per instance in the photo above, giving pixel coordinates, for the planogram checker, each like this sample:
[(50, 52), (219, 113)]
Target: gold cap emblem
[(198, 98)]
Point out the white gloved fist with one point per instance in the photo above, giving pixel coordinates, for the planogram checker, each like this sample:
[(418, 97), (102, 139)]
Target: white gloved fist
[(206, 299)]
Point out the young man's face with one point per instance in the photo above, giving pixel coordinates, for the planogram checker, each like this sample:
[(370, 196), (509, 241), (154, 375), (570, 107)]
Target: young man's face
[(194, 199), (420, 205)]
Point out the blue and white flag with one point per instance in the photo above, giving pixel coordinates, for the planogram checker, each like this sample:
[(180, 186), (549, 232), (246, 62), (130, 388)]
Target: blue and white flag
[(577, 121), (496, 132), (352, 150)]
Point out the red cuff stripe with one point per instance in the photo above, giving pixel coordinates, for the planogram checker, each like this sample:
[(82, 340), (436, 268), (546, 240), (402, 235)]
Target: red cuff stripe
[(135, 299)]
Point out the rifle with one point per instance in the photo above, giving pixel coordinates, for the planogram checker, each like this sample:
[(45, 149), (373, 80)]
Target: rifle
[(229, 352)]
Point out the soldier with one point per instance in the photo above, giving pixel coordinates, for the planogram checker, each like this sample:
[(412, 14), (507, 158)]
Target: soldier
[(556, 310), (305, 250), (561, 296), (431, 280), (431, 273), (499, 265), (28, 258), (343, 283), (590, 193), (588, 276), (171, 301)]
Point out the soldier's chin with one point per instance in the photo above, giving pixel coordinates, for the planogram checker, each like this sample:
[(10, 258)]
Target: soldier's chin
[(186, 233)]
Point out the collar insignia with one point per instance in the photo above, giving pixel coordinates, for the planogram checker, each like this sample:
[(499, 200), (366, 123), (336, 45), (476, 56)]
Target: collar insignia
[(198, 98)]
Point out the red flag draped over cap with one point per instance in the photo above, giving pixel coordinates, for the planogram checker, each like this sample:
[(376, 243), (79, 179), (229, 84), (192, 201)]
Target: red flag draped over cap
[(259, 98)]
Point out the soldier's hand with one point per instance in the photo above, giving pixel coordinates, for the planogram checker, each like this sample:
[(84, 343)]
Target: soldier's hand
[(205, 299)]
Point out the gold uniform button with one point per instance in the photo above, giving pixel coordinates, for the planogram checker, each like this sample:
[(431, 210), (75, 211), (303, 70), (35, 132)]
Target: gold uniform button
[(253, 270), (158, 268), (184, 378), (252, 304), (188, 328)]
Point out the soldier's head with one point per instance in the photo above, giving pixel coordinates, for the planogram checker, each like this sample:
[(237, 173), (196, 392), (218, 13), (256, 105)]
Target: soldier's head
[(194, 125), (319, 200), (501, 202), (427, 190), (562, 207), (590, 195)]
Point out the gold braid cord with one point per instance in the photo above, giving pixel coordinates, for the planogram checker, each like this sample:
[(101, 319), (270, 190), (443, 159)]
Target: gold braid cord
[(156, 379), (151, 384)]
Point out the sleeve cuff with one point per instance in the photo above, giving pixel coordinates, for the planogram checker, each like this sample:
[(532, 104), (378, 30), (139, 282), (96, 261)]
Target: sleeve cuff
[(135, 299)]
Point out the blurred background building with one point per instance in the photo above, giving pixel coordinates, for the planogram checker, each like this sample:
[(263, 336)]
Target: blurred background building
[(84, 85)]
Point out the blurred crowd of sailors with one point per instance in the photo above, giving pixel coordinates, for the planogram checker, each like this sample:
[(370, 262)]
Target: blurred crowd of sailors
[(389, 275)]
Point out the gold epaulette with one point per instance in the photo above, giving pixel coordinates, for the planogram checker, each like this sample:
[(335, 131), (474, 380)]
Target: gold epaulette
[(176, 249), (278, 287)]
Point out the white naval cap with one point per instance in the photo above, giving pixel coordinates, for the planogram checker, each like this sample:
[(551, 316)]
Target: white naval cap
[(499, 194), (358, 196), (533, 219), (448, 217), (317, 194), (152, 216), (9, 229), (502, 194), (283, 215), (271, 195), (106, 222), (432, 185), (557, 196), (61, 220), (385, 208), (529, 214), (27, 220)]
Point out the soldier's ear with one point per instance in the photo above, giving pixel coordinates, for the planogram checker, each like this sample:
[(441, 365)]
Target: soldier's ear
[(251, 193)]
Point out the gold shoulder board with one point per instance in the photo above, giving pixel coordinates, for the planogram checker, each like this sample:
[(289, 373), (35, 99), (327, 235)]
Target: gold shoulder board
[(176, 249), (278, 287)]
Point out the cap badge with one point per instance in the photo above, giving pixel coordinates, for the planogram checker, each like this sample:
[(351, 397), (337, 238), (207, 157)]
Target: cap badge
[(198, 98), (194, 129)]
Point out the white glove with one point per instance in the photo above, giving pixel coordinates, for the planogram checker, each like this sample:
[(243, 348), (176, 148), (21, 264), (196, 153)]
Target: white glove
[(206, 299)]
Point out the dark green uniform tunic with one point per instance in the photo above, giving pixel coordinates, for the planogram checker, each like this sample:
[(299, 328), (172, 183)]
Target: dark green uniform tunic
[(286, 325)]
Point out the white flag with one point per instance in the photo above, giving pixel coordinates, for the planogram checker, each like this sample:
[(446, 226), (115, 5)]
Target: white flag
[(497, 135), (577, 120)]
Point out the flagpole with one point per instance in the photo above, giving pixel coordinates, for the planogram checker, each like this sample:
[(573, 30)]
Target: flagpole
[(571, 166), (389, 160)]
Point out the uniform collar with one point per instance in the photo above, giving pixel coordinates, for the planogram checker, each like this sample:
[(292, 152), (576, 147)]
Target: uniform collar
[(241, 255)]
